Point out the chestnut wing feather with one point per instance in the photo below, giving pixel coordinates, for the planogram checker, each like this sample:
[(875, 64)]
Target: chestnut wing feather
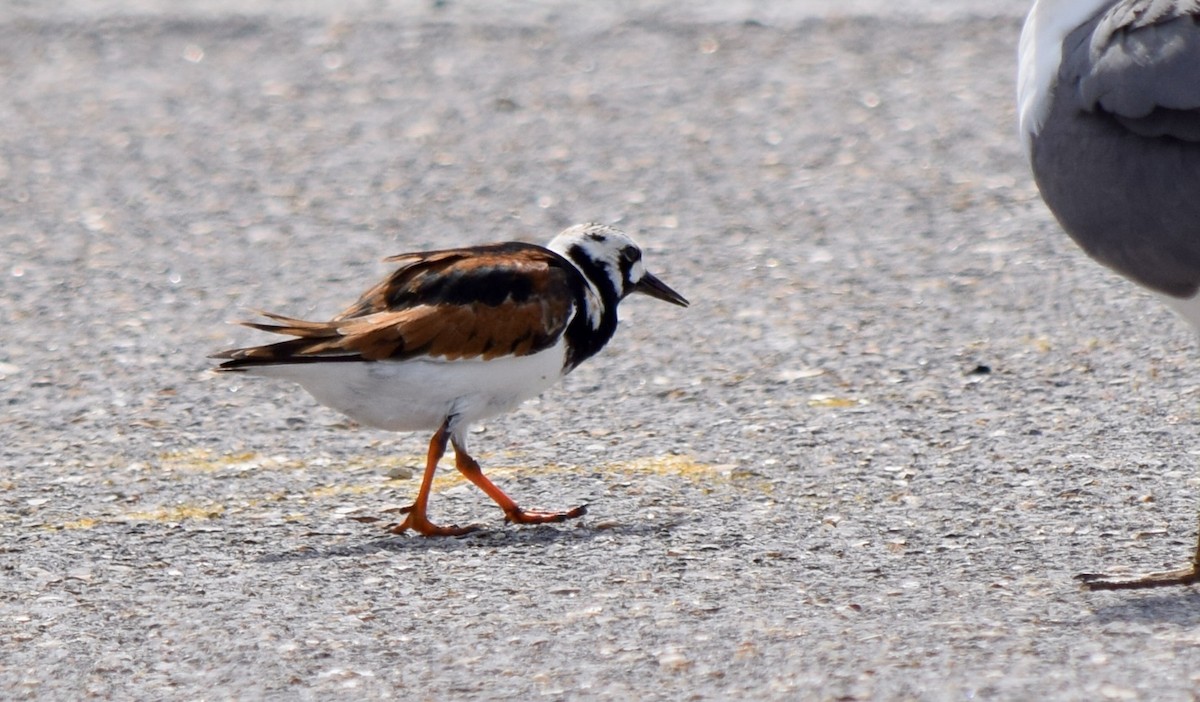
[(482, 302)]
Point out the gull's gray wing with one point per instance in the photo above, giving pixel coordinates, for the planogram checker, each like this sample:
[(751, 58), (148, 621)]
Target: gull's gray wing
[(1140, 62)]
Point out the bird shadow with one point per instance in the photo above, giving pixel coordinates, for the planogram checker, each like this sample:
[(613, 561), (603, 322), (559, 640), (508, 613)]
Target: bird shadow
[(516, 538), (1180, 607)]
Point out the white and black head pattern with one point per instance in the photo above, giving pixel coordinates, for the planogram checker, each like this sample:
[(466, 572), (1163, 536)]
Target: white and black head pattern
[(612, 268), (609, 259)]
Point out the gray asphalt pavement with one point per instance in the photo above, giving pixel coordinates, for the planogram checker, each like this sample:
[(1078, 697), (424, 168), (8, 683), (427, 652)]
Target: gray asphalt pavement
[(902, 412)]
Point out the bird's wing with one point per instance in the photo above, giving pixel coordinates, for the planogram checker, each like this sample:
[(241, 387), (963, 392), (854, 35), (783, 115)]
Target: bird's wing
[(1140, 62), (482, 302)]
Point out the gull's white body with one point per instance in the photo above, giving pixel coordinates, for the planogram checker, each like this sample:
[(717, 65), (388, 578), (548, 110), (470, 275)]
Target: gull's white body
[(1039, 56), (1186, 307)]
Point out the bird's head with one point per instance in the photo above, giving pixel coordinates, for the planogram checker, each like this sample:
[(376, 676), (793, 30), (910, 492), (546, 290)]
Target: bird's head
[(611, 261)]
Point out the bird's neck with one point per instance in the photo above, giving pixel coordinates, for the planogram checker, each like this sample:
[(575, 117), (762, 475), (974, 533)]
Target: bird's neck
[(595, 319)]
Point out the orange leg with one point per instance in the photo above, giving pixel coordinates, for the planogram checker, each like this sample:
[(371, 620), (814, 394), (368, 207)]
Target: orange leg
[(469, 467), (417, 519)]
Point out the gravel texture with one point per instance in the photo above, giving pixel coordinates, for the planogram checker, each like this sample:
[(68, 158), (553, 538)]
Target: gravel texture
[(902, 412)]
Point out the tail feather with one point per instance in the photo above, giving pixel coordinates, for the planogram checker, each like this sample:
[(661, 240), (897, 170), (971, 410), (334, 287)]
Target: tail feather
[(315, 341), (290, 326)]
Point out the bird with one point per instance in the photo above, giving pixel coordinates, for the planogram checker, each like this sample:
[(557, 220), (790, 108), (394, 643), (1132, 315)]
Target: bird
[(454, 336), (1108, 101)]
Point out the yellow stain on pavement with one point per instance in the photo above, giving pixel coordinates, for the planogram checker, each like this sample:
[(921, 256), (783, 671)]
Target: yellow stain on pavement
[(681, 466), (353, 489), (174, 513), (202, 460), (85, 523), (168, 515), (398, 475), (833, 402)]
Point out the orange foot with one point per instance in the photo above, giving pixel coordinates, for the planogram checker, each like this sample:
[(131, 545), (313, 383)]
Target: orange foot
[(419, 523), (516, 515)]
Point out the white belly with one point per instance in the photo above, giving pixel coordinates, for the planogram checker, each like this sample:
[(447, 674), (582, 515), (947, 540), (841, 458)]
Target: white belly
[(421, 393)]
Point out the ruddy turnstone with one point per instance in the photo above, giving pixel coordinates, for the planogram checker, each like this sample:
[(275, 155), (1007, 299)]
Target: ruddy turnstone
[(1109, 104), (455, 336)]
